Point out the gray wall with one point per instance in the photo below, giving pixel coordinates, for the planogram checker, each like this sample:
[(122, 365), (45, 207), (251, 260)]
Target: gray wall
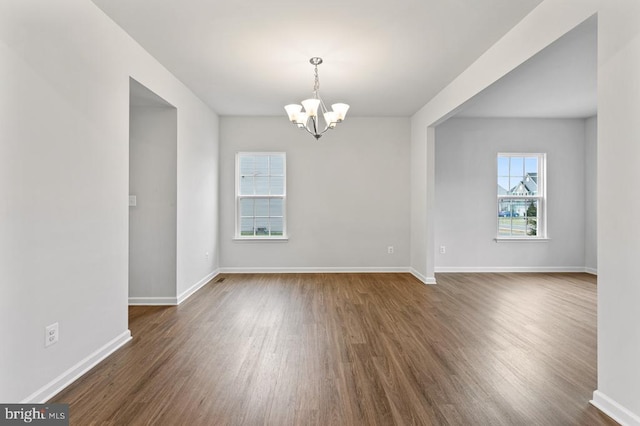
[(152, 222), (465, 192), (64, 162), (591, 196), (347, 195)]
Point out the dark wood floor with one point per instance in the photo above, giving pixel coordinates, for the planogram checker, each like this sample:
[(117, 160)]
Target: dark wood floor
[(355, 349)]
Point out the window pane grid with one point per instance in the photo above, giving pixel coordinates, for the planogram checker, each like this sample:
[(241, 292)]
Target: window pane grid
[(261, 175), (260, 195), (520, 197)]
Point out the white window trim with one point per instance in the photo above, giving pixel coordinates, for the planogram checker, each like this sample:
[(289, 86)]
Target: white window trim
[(253, 238), (541, 197), (521, 240)]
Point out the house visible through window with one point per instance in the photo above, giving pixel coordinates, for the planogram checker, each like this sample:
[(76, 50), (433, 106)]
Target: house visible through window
[(260, 195), (521, 196)]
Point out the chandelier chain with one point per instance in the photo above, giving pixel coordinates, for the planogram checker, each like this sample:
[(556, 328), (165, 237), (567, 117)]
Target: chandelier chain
[(316, 84)]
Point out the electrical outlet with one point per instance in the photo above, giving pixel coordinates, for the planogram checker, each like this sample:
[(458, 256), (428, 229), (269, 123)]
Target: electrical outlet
[(51, 334), (390, 249), (443, 249), (206, 254)]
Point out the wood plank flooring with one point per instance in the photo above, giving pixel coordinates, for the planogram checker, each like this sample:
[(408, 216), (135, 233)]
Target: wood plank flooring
[(355, 349)]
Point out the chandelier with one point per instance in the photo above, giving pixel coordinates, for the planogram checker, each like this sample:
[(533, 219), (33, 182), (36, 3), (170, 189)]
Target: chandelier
[(309, 118)]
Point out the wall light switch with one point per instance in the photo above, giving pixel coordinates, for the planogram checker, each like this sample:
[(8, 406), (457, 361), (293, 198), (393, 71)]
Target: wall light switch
[(133, 201)]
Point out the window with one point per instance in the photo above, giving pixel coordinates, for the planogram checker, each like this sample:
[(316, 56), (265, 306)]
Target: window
[(260, 195), (521, 196)]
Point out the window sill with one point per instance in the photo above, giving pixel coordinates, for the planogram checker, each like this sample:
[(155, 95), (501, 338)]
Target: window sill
[(521, 240), (261, 239)]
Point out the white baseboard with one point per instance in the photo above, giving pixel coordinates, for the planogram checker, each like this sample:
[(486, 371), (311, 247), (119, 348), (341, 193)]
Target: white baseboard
[(312, 270), (153, 301), (419, 276), (172, 301), (423, 278), (504, 269), (592, 271), (614, 410), (197, 286), (52, 388)]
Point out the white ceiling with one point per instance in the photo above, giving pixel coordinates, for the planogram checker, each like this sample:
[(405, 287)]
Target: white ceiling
[(250, 57), (558, 82)]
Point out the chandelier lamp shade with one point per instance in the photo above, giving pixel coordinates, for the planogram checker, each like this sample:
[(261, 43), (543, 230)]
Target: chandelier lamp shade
[(307, 115)]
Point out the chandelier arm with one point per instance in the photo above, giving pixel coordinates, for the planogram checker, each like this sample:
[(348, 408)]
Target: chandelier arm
[(315, 132), (323, 108), (317, 135)]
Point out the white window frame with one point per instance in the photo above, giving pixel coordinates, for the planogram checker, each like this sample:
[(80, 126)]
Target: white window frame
[(238, 234), (540, 197)]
